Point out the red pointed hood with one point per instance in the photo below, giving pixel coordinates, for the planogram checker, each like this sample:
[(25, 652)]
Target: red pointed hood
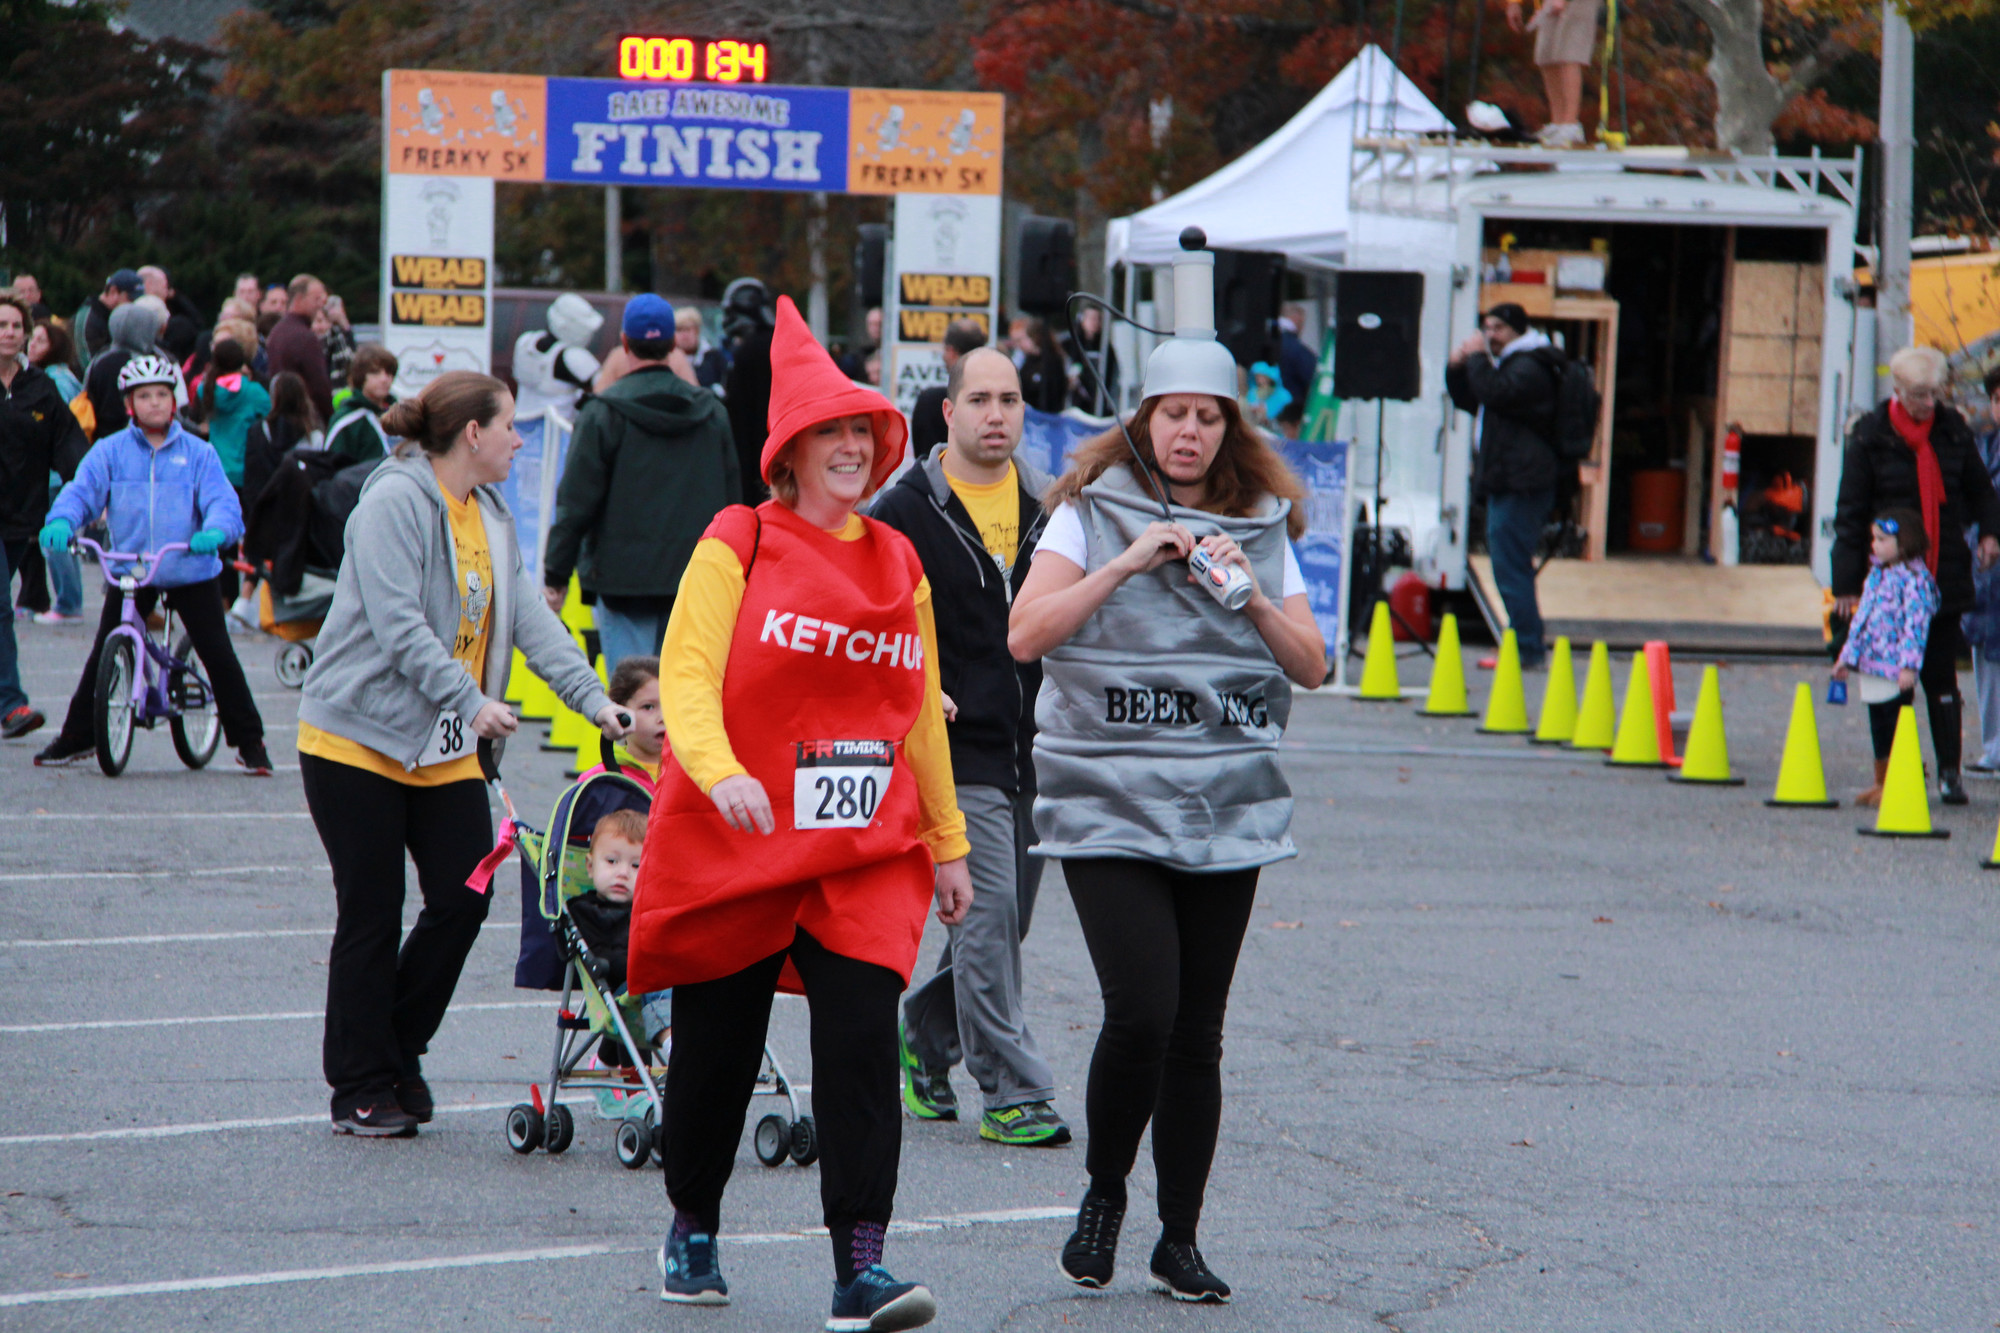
[(807, 388)]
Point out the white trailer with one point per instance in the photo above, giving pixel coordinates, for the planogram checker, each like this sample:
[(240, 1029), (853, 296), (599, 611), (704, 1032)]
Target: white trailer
[(1726, 281)]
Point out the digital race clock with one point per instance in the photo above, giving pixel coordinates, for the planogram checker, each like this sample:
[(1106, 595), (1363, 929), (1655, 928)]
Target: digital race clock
[(691, 59)]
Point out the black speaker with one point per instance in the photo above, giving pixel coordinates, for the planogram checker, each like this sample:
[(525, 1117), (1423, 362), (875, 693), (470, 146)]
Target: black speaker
[(1377, 319), (869, 260), (1249, 286), (1047, 273)]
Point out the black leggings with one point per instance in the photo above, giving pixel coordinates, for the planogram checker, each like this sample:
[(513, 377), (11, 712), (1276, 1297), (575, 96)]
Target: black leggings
[(384, 1005), (1939, 677), (719, 1029), (199, 606), (1164, 942)]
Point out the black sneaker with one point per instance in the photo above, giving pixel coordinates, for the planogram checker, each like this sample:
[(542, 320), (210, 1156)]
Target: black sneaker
[(1951, 788), (414, 1096), (254, 759), (377, 1119), (60, 753), (1092, 1249), (874, 1302), (1179, 1271), (20, 721), (690, 1274)]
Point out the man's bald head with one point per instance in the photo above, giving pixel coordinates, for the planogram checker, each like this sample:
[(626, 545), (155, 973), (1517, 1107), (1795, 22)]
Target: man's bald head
[(954, 383), (983, 411)]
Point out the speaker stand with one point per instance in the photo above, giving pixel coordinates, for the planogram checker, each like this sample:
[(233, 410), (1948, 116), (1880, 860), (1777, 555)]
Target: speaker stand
[(1375, 535)]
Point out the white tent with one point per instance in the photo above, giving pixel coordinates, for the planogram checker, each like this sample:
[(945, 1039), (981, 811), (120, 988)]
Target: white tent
[(1290, 192)]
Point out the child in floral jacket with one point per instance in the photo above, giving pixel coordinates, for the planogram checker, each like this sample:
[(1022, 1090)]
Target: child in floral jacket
[(1885, 641)]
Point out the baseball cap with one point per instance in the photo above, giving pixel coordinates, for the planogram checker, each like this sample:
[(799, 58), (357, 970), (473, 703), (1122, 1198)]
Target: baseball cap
[(127, 281), (648, 316)]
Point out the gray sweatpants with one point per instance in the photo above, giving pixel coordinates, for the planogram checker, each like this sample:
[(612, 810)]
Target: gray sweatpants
[(1986, 676), (970, 1008)]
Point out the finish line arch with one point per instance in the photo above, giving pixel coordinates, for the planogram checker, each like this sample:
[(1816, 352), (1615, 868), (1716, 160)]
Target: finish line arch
[(449, 135)]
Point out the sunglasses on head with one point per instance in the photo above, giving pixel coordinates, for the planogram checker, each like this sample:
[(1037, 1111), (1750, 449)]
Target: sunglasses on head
[(1889, 525)]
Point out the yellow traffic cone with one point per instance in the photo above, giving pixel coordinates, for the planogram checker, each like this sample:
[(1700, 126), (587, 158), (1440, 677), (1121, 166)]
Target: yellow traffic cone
[(569, 729), (1906, 808), (574, 613), (1992, 862), (1558, 722), (1801, 775), (1597, 715), (1447, 693), (517, 680), (538, 701), (1707, 757), (1638, 742), (1507, 705), (1378, 669)]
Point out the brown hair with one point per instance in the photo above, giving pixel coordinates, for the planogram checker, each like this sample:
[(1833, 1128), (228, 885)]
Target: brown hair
[(631, 675), (436, 417), (628, 825), (1911, 539), (27, 313), (785, 482), (369, 358), (1245, 470), (62, 347)]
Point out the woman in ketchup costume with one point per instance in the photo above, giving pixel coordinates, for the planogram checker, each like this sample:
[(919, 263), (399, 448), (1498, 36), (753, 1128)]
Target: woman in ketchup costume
[(803, 824)]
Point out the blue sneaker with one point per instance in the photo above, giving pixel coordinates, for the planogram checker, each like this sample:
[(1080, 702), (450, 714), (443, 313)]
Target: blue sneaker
[(874, 1302), (689, 1272)]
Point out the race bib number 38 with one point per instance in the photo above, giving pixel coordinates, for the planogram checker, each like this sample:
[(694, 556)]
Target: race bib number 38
[(840, 784), (450, 739)]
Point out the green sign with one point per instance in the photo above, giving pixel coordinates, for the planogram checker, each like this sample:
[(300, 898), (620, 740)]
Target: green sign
[(1322, 412)]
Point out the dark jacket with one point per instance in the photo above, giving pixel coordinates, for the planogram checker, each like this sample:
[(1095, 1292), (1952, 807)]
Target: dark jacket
[(1517, 395), (1879, 472), (653, 461), (100, 385), (1045, 382), (606, 928), (748, 391), (38, 433), (927, 424), (96, 326), (1296, 366), (295, 347), (993, 738)]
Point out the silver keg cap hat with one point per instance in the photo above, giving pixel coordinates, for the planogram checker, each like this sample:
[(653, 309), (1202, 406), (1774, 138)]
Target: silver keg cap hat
[(1192, 361)]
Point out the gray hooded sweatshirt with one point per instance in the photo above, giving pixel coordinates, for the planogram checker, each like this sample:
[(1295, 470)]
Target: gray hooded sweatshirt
[(1159, 720), (382, 669)]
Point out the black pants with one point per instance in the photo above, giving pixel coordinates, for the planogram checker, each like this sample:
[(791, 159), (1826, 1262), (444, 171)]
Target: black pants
[(199, 607), (719, 1029), (1939, 677), (1164, 943), (383, 1006), (34, 572)]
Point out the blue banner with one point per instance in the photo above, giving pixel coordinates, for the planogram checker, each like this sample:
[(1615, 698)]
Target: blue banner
[(1323, 550), (714, 136)]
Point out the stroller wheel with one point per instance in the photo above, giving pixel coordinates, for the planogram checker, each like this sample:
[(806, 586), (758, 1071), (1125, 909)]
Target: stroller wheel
[(773, 1141), (562, 1129), (293, 660), (634, 1145), (524, 1129), (656, 1135), (805, 1141)]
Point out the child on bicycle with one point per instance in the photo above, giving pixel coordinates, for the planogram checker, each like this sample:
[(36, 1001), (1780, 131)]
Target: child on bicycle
[(161, 485)]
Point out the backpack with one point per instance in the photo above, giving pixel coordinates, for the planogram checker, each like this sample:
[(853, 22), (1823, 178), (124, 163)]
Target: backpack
[(1577, 404)]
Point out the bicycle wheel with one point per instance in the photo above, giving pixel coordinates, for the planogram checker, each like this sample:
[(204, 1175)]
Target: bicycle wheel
[(113, 712), (197, 729)]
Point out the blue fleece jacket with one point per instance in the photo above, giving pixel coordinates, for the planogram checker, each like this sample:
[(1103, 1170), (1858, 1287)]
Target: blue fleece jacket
[(155, 497)]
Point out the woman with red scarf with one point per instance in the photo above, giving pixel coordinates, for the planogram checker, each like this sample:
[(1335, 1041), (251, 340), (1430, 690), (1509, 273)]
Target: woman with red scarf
[(1916, 452), (803, 821)]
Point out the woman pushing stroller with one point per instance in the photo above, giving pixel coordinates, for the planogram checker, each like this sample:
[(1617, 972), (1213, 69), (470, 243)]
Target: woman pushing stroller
[(809, 801)]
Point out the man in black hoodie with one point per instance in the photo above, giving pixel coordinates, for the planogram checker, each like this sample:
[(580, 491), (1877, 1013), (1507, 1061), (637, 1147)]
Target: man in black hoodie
[(972, 511), (652, 463)]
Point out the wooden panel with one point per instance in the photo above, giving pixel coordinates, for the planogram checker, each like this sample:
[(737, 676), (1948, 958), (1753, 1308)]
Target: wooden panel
[(1766, 298), (1812, 299), (1761, 404), (1537, 300), (1805, 357), (1805, 405), (1760, 354)]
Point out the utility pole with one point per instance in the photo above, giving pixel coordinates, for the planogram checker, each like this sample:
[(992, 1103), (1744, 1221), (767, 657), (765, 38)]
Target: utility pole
[(614, 240), (1893, 330), (816, 302)]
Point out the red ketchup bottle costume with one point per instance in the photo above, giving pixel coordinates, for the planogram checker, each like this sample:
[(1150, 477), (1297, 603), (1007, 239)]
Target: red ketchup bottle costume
[(825, 679)]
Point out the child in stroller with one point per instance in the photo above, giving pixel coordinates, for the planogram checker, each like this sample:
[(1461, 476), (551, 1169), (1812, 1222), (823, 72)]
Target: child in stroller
[(576, 889)]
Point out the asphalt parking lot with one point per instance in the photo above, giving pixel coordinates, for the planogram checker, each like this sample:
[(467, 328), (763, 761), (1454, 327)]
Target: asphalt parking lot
[(1517, 1042)]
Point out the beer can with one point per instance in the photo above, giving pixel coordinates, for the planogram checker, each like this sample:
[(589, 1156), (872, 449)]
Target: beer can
[(1227, 584)]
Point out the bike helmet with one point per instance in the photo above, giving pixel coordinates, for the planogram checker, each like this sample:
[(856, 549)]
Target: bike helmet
[(147, 369)]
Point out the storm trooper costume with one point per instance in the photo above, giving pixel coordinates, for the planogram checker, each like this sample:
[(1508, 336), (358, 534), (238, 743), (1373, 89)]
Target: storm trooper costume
[(554, 366)]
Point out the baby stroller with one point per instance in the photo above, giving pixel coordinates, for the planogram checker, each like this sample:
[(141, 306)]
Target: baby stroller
[(554, 956), (293, 541), (296, 620)]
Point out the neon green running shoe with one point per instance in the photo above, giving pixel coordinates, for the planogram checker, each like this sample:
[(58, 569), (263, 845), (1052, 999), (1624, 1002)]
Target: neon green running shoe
[(1030, 1125), (926, 1092)]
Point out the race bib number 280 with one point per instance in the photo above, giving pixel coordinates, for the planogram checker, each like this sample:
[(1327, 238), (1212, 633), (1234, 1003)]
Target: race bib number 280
[(840, 784)]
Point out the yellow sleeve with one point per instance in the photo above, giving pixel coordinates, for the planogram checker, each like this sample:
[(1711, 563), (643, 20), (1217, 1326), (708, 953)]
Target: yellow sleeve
[(929, 752), (693, 658)]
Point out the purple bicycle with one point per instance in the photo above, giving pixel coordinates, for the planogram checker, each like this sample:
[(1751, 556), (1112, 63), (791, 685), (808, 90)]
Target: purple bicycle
[(139, 681)]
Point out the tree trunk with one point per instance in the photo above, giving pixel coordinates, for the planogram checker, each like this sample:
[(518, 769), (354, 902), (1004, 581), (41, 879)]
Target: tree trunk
[(1748, 97)]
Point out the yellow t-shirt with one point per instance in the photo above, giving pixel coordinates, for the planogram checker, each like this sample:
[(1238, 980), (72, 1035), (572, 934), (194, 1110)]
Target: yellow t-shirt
[(995, 507), (696, 654), (468, 645)]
